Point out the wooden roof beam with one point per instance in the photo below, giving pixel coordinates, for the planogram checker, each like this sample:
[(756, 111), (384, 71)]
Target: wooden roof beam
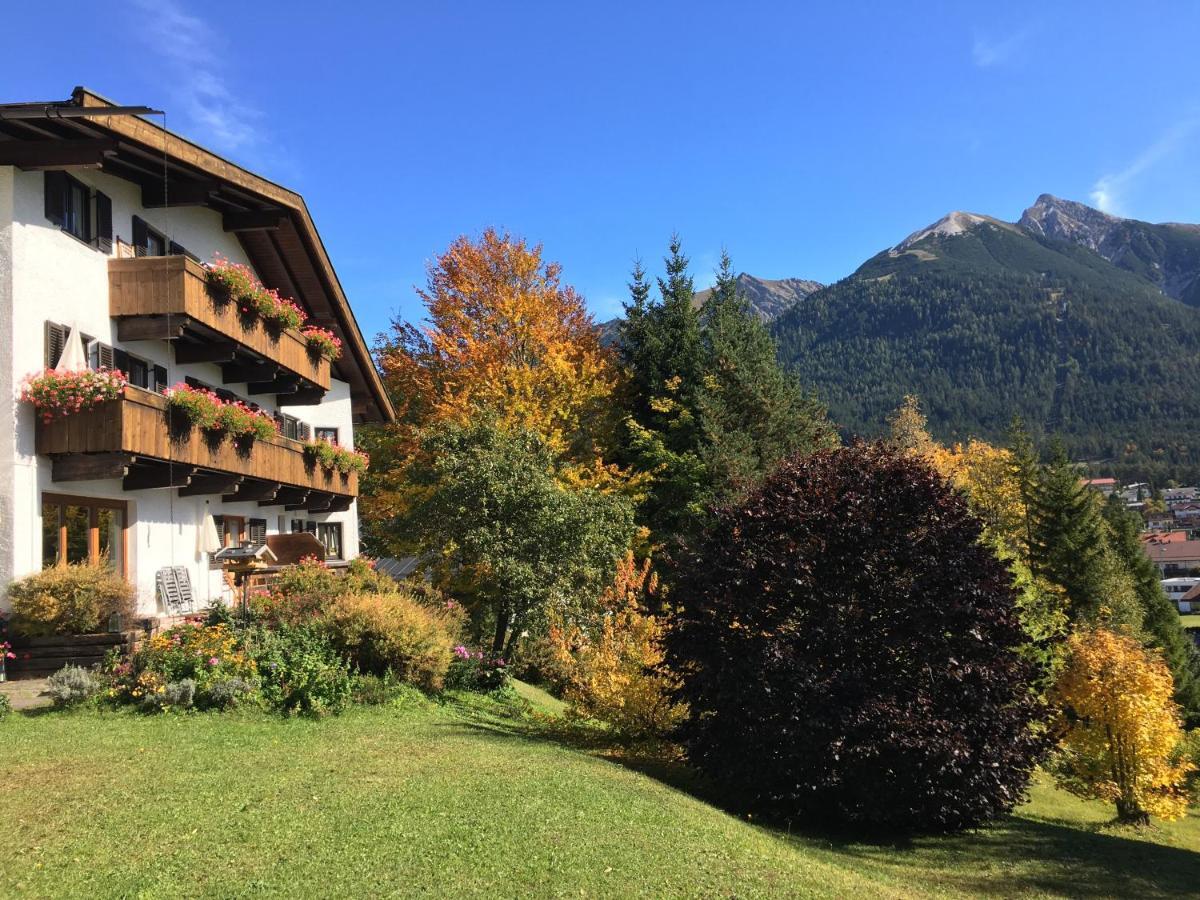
[(178, 193), (254, 220), (43, 155)]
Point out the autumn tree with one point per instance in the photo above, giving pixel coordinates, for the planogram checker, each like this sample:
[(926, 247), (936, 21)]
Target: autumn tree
[(611, 662), (505, 335), (1121, 728), (504, 338), (907, 428)]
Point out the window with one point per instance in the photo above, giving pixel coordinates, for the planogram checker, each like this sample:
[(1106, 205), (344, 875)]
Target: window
[(147, 241), (293, 428), (327, 434), (76, 209), (330, 534), (83, 530), (258, 531), (230, 529)]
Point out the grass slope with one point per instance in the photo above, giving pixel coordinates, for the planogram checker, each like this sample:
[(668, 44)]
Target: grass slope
[(470, 798)]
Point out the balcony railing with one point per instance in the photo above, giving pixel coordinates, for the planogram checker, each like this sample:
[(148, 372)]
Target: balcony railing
[(136, 438), (168, 298)]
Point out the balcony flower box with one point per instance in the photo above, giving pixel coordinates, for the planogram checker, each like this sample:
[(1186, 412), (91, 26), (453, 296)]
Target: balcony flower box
[(55, 394)]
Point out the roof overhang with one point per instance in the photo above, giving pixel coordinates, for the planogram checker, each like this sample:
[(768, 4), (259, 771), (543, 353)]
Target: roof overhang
[(272, 223)]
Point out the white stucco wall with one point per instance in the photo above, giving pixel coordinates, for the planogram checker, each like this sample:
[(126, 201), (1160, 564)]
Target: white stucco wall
[(46, 274)]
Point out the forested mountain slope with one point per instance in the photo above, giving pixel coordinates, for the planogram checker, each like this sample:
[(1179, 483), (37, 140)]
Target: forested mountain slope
[(983, 320)]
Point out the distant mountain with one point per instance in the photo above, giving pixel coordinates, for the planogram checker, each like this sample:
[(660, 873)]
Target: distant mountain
[(1167, 255), (768, 298), (1069, 318)]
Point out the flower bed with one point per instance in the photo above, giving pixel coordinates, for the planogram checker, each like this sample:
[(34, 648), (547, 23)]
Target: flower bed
[(55, 394), (204, 409), (323, 342), (236, 282), (332, 457)]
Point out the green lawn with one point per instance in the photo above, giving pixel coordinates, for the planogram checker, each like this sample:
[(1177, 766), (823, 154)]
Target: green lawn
[(1191, 620), (468, 798)]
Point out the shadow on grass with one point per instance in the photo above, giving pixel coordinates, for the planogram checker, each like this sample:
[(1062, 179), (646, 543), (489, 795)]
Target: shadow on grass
[(1020, 855)]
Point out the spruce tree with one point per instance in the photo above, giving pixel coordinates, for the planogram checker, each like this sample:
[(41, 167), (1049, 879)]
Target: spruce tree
[(1160, 620), (752, 412), (1068, 544)]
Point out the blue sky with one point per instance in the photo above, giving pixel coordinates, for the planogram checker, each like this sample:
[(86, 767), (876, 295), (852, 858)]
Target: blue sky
[(802, 137)]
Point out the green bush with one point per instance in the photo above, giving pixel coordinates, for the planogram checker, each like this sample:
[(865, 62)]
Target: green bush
[(5, 706), (392, 632), (72, 685), (300, 670), (75, 599)]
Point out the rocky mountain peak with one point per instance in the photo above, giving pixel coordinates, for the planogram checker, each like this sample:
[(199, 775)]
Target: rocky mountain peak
[(1068, 220), (953, 223)]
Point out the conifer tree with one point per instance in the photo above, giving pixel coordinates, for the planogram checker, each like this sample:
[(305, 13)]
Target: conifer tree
[(1067, 535), (752, 412), (1160, 621)]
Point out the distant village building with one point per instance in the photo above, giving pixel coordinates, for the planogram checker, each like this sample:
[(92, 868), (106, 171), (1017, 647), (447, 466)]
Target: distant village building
[(1105, 486), (1183, 592)]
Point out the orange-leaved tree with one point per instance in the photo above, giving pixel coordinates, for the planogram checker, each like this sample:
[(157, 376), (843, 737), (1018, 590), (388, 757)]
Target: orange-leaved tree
[(1122, 728), (504, 338), (505, 335), (612, 668)]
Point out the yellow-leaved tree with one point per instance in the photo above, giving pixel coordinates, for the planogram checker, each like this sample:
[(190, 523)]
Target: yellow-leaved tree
[(611, 671), (506, 339), (1122, 728), (505, 335)]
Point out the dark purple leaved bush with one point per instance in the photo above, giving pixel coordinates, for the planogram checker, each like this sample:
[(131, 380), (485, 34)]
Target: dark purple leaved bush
[(849, 651)]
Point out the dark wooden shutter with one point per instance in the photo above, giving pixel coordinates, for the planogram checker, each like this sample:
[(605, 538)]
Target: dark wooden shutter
[(258, 531), (121, 361), (105, 357), (56, 339), (297, 526), (104, 231), (160, 378), (139, 237), (56, 197), (303, 431), (310, 527)]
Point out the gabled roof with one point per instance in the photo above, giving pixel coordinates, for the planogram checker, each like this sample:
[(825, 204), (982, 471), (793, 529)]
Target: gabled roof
[(1175, 550), (272, 222)]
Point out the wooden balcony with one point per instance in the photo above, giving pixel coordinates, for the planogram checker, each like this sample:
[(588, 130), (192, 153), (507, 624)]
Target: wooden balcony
[(167, 298), (136, 439)]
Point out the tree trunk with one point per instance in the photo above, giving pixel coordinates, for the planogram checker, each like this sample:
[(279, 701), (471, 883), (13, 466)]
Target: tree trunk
[(1129, 813), (502, 618), (512, 641)]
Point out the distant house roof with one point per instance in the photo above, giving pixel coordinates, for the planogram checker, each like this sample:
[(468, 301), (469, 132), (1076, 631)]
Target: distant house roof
[(397, 568), (1174, 551), (1100, 482), (1165, 537), (1193, 594)]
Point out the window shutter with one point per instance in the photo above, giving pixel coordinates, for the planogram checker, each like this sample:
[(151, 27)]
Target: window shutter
[(303, 431), (297, 526), (121, 361), (56, 339), (258, 531), (139, 237), (160, 378), (105, 357), (180, 250), (104, 231), (310, 527), (56, 197)]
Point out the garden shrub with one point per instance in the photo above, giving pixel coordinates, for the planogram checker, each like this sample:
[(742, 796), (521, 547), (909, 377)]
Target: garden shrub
[(5, 706), (613, 670), (300, 670), (206, 655), (473, 670), (72, 685), (74, 599), (230, 692), (302, 591), (382, 632), (180, 694), (849, 650)]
